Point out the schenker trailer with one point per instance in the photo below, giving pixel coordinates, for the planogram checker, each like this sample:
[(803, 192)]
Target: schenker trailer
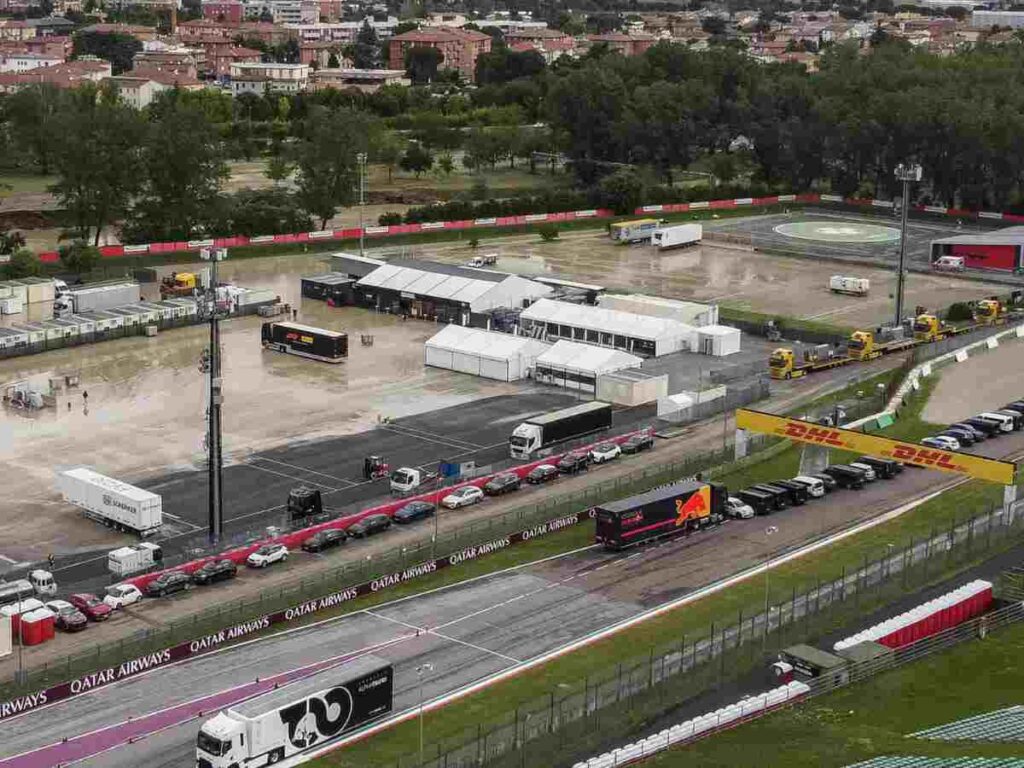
[(543, 431), (297, 717), (679, 508)]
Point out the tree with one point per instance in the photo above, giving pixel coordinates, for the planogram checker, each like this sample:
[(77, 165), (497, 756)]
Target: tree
[(325, 160), (622, 191), (548, 232), (254, 212), (117, 48), (421, 63), (279, 168), (713, 25), (388, 150), (417, 159), (445, 164), (23, 263), (10, 241), (79, 257), (367, 48), (36, 122), (332, 61), (98, 165), (501, 65)]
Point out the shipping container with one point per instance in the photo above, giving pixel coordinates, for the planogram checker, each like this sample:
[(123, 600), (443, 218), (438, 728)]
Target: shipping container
[(541, 432), (298, 717), (852, 286), (304, 341), (671, 510), (10, 306), (112, 502), (678, 236), (91, 298)]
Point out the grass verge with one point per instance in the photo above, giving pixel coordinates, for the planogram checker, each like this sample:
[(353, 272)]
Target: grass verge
[(872, 719)]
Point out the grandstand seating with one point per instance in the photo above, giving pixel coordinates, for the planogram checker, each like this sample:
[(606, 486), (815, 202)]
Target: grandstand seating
[(1001, 725), (908, 761)]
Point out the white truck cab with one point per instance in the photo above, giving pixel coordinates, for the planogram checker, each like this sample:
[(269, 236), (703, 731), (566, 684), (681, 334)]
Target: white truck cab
[(526, 438), (43, 582), (815, 487), (221, 742), (408, 479)]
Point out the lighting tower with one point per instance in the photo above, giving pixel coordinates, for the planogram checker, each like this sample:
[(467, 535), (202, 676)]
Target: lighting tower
[(905, 174), (212, 367)]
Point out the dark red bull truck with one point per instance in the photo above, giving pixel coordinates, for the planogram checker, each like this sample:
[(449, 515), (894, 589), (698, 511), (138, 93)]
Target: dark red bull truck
[(671, 510)]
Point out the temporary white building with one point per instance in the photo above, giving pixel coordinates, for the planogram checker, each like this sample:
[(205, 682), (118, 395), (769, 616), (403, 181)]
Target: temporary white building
[(625, 331), (631, 387), (492, 355), (689, 312), (578, 366), (718, 340)]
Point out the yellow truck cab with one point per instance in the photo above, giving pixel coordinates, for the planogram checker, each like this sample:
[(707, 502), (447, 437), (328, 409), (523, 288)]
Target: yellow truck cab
[(781, 364), (929, 328), (861, 346), (989, 312)]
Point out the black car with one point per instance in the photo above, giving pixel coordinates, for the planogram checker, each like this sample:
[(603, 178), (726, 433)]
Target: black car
[(780, 495), (638, 443), (165, 584), (1016, 405), (962, 435), (798, 492), (573, 462), (989, 427), (884, 468), (827, 480), (761, 503), (325, 539), (846, 476), (542, 474), (978, 434), (215, 570), (503, 483), (414, 510), (369, 525)]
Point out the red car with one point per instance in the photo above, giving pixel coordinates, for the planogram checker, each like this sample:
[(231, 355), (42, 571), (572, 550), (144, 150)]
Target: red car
[(93, 608)]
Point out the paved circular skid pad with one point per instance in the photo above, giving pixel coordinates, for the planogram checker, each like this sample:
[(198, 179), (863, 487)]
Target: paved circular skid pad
[(839, 232)]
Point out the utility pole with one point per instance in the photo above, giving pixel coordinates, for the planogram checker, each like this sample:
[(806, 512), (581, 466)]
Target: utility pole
[(215, 460), (361, 164), (904, 174)]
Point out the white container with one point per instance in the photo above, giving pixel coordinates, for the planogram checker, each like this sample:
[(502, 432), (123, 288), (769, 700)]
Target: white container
[(112, 502), (10, 306), (90, 299), (677, 237), (852, 286), (128, 560), (19, 290), (718, 340), (39, 290)]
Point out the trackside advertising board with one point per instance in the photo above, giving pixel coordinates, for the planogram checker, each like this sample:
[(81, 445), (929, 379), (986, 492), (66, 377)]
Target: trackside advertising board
[(954, 462), (207, 643)]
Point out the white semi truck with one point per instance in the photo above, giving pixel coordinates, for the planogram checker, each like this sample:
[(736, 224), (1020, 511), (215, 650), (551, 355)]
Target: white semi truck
[(677, 237), (546, 430), (297, 717), (111, 502)]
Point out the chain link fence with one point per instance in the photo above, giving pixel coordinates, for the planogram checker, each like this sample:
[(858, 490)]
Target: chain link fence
[(736, 396), (608, 706)]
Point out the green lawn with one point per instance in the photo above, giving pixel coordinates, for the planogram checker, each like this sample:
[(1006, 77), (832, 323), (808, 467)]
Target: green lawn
[(12, 185), (873, 718)]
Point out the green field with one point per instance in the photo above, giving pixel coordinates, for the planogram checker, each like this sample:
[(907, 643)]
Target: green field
[(871, 719)]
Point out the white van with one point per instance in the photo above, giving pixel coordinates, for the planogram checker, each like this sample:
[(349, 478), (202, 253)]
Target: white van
[(949, 264), (1005, 422), (815, 487)]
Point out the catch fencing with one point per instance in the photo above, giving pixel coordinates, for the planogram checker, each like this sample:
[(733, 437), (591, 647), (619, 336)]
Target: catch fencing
[(736, 396), (588, 715)]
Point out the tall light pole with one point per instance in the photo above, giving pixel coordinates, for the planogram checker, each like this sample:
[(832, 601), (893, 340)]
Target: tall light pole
[(215, 461), (904, 174), (768, 532), (419, 674), (361, 164)]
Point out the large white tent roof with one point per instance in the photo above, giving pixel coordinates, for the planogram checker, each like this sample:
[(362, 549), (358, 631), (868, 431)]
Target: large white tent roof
[(488, 344), (435, 285), (606, 320), (586, 358)]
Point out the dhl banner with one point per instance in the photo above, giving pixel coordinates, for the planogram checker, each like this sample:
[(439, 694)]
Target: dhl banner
[(993, 470)]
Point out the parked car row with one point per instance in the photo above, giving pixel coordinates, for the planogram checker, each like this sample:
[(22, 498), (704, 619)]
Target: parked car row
[(966, 433)]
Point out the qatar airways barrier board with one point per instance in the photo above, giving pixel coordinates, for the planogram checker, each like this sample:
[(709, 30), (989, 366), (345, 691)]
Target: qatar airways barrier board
[(954, 462), (211, 642)]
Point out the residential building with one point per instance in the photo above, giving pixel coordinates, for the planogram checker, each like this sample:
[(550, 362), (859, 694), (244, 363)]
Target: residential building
[(284, 11), (552, 44), (989, 19), (265, 31), (197, 29), (459, 48), (138, 32), (340, 31), (289, 78), (364, 80), (258, 84), (445, 19), (229, 11), (23, 62), (627, 45), (330, 10), (136, 92), (318, 54), (16, 30), (507, 25), (54, 25), (181, 63), (71, 74), (171, 79)]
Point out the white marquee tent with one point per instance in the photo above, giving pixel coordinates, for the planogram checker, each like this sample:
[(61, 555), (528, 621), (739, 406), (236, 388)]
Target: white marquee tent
[(577, 366), (489, 354)]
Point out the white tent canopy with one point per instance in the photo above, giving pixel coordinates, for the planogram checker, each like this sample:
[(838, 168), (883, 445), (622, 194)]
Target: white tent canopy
[(688, 312), (492, 355), (577, 366), (608, 327)]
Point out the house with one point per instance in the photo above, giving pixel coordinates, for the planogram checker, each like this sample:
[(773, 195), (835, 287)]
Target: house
[(53, 25), (200, 29), (552, 44), (134, 30), (229, 11), (340, 31), (136, 92), (16, 30), (177, 62), (71, 74), (265, 31), (627, 45), (23, 62), (364, 80), (171, 79), (459, 48), (288, 78), (318, 54)]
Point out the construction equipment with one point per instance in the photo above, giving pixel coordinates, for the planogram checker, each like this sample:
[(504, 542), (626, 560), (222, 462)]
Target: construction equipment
[(989, 312), (177, 285), (784, 364), (869, 345)]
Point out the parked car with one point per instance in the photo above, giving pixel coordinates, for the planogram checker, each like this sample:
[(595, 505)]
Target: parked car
[(120, 595), (1015, 416), (542, 474), (573, 462), (69, 618), (214, 570), (93, 608), (761, 503), (638, 442), (884, 468), (846, 476), (603, 452), (990, 428), (268, 554), (503, 483), (942, 442), (979, 435), (1006, 422), (798, 492), (462, 497), (827, 480), (960, 434), (735, 507), (869, 472), (168, 583), (815, 485), (1016, 405), (414, 510), (779, 496), (368, 526), (325, 539)]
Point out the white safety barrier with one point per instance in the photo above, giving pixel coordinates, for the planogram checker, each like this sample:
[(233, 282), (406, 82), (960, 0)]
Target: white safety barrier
[(701, 726)]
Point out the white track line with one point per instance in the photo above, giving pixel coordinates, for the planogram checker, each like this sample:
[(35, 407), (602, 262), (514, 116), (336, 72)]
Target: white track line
[(398, 431), (428, 433), (290, 477), (351, 483), (427, 631)]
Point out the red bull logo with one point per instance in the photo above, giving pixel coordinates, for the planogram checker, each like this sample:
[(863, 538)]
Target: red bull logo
[(695, 507)]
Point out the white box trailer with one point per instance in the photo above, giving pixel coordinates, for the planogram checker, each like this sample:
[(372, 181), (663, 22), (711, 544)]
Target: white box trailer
[(298, 717), (678, 236), (99, 297), (112, 502), (852, 286)]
